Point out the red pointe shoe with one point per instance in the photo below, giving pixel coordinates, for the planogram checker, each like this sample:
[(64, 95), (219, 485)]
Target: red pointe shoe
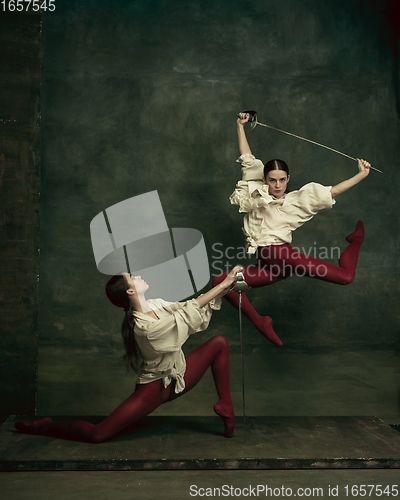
[(35, 427), (358, 233), (228, 417), (266, 330)]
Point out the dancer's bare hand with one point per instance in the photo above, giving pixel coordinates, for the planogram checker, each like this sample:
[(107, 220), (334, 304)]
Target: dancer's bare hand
[(230, 280), (243, 118), (363, 167)]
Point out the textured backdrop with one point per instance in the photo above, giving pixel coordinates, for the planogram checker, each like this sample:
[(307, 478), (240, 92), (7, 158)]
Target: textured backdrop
[(143, 95)]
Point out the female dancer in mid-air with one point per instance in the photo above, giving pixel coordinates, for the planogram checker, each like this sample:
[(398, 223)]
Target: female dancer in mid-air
[(270, 218), (153, 332)]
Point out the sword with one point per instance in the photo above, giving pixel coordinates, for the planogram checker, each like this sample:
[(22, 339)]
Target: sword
[(253, 120)]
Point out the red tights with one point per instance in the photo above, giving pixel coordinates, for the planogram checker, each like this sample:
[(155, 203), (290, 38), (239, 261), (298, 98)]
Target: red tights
[(278, 262), (148, 397)]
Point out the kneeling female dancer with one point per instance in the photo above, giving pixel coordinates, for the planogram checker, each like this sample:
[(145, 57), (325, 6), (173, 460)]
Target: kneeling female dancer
[(153, 333), (270, 218)]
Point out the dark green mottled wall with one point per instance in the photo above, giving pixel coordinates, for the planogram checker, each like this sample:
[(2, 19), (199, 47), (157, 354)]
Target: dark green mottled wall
[(20, 35), (143, 95)]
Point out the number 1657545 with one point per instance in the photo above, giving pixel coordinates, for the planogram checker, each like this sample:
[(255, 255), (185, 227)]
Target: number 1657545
[(25, 5)]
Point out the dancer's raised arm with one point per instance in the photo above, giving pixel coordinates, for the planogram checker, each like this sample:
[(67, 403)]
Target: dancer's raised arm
[(244, 147), (363, 167)]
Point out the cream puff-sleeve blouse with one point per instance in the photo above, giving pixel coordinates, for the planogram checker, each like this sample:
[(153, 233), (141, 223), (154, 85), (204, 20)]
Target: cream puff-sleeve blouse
[(269, 220), (159, 341)]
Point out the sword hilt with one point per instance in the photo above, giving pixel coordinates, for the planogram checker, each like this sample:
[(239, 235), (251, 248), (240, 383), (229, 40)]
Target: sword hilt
[(240, 286), (252, 118)]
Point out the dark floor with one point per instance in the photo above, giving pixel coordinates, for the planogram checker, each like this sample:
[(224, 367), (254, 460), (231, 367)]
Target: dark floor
[(338, 456), (159, 443)]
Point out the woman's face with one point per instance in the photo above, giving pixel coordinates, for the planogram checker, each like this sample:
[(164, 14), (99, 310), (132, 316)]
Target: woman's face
[(135, 283), (276, 181)]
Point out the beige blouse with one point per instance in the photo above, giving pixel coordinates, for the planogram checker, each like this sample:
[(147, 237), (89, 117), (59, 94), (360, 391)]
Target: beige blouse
[(268, 220), (159, 341)]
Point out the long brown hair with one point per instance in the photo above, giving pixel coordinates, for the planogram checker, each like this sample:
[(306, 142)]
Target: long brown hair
[(116, 292)]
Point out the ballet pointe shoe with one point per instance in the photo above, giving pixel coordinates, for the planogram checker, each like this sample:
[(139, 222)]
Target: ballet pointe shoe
[(228, 417), (358, 233), (264, 326), (35, 427)]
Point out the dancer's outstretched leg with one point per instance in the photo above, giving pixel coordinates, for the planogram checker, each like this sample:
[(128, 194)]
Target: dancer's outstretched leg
[(278, 262), (145, 399), (254, 277), (148, 397), (214, 353), (290, 261)]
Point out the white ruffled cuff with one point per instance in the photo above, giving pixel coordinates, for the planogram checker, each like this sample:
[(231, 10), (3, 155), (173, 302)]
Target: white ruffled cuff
[(216, 303), (252, 169)]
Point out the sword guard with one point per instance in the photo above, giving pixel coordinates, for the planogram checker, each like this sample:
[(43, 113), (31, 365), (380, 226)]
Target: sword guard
[(252, 118), (240, 286)]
